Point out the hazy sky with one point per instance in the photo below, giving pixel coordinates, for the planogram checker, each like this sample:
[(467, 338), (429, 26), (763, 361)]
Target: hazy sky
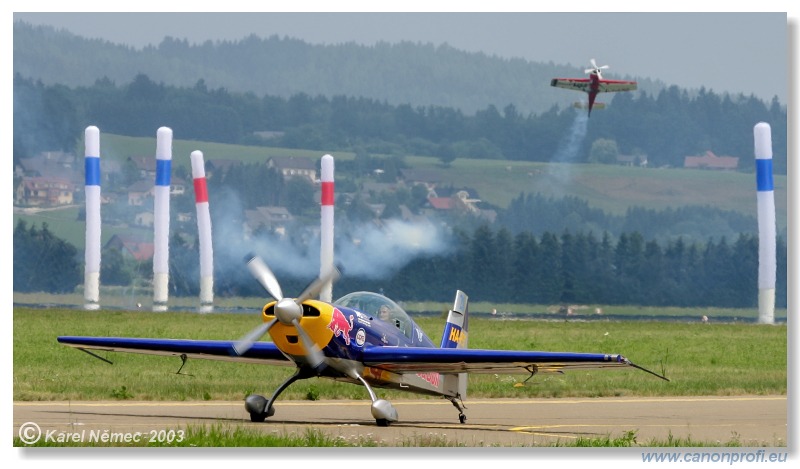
[(725, 52)]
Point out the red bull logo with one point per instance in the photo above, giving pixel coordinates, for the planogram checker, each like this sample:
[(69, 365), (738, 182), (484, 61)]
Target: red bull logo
[(340, 326), (432, 378)]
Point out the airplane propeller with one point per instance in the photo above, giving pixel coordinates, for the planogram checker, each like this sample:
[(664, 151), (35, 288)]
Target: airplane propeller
[(288, 311), (595, 68)]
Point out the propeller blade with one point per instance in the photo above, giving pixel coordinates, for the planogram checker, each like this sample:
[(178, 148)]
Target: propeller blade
[(287, 310), (244, 344), (265, 277), (315, 287), (595, 68), (313, 353)]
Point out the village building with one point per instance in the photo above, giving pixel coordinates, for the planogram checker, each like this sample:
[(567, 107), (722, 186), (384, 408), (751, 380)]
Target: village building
[(146, 165), (711, 161), (140, 192), (48, 164), (132, 246), (294, 167), (271, 218), (177, 186), (145, 219), (44, 192), (632, 160), (429, 179)]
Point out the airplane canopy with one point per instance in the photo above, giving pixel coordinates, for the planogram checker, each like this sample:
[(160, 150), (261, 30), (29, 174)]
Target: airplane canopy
[(370, 303)]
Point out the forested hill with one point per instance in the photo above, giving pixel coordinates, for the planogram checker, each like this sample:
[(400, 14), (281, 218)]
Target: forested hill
[(419, 74), (389, 98)]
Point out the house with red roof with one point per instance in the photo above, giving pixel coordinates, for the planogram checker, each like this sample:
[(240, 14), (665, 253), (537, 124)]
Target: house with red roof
[(711, 161)]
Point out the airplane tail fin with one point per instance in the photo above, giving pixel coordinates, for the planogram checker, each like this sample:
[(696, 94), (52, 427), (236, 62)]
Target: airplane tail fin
[(455, 330), (455, 336)]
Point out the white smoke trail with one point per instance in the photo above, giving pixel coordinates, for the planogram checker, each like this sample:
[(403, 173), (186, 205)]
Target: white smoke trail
[(379, 252), (567, 152), (366, 251), (568, 149)]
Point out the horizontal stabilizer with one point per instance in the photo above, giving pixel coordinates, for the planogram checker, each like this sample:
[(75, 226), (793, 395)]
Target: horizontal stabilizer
[(580, 105)]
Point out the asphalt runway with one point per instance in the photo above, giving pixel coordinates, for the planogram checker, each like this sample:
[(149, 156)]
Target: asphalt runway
[(750, 420)]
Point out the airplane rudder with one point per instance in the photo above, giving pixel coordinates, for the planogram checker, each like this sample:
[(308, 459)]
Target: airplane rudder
[(455, 336), (457, 325)]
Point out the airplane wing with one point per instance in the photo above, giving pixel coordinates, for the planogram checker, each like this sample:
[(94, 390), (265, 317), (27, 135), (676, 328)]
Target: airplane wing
[(412, 359), (260, 352), (606, 86), (578, 84), (395, 359)]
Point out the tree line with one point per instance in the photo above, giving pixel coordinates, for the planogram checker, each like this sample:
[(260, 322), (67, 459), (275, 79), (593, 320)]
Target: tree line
[(582, 267), (404, 72), (663, 128), (539, 213), (586, 268)]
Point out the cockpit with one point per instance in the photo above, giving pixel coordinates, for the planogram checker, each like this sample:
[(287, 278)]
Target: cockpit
[(379, 307)]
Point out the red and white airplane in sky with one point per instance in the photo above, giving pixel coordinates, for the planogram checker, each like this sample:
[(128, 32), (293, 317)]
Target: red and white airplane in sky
[(593, 85)]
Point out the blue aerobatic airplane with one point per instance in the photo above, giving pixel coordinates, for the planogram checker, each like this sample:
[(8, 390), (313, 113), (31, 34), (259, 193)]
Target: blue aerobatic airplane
[(362, 338)]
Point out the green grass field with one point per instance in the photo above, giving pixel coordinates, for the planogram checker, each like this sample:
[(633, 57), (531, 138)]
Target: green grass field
[(700, 359)]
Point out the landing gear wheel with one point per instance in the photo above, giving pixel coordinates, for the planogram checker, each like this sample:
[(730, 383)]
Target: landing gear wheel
[(261, 416), (258, 407), (462, 418), (382, 422)]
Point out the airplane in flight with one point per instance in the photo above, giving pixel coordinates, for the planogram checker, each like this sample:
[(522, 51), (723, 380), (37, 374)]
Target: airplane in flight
[(593, 85), (362, 338)]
